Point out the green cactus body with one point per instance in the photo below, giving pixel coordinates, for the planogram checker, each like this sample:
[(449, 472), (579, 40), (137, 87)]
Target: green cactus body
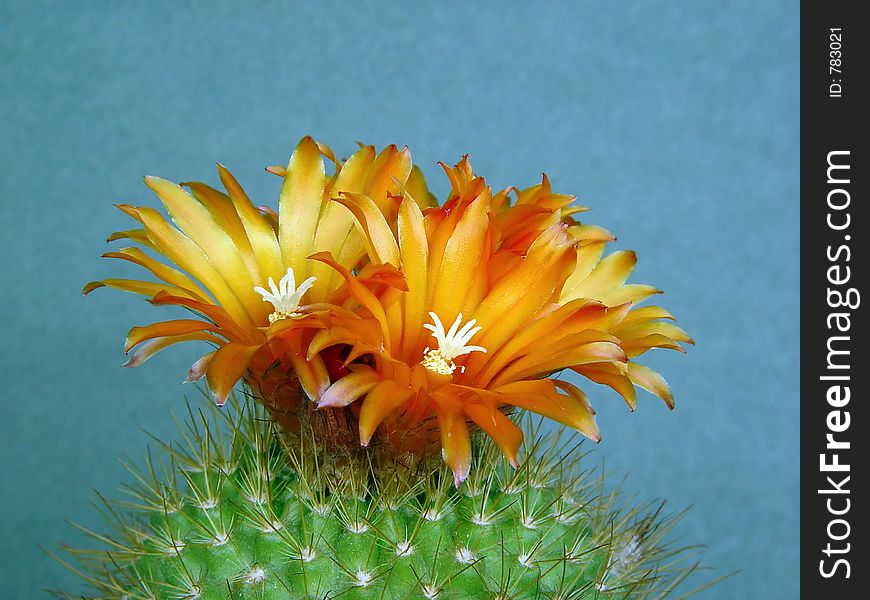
[(234, 512)]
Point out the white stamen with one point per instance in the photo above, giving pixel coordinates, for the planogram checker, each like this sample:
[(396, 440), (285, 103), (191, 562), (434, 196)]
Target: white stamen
[(285, 297), (451, 344)]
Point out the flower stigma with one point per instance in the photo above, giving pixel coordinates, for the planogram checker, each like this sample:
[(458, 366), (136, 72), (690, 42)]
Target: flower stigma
[(451, 344), (285, 297)]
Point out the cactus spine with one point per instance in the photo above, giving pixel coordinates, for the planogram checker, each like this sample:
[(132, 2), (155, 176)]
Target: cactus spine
[(234, 511)]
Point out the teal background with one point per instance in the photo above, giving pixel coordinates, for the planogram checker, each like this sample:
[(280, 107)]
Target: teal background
[(676, 121)]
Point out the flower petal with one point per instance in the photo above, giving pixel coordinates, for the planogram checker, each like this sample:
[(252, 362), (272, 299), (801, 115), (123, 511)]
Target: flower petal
[(358, 291), (415, 256), (542, 397), (337, 223), (459, 265), (199, 225), (349, 388), (226, 367), (384, 398), (300, 204), (455, 438), (651, 381), (161, 271), (198, 369), (137, 335), (390, 171), (152, 347), (145, 288), (611, 272), (261, 234), (218, 315), (613, 377), (507, 436), (418, 190), (181, 250), (377, 236), (221, 208), (312, 374)]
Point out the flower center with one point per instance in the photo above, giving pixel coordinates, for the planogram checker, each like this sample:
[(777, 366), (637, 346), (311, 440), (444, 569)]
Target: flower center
[(451, 343), (436, 362), (285, 297)]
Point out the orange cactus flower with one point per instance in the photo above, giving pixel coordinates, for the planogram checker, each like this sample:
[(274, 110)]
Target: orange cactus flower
[(229, 255), (496, 297)]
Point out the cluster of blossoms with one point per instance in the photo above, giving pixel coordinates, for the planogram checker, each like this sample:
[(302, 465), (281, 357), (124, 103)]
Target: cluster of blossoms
[(370, 271)]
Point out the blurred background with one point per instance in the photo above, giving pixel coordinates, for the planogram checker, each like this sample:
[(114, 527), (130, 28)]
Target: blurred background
[(677, 122)]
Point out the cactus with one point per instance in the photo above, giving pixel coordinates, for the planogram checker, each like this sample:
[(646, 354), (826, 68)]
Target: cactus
[(380, 450), (234, 512)]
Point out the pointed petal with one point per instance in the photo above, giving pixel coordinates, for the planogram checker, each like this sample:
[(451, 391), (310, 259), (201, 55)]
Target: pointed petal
[(160, 270), (455, 438), (145, 288), (358, 291), (377, 236), (199, 225), (636, 346), (300, 204), (221, 208), (419, 191), (186, 254), (611, 272), (152, 347), (337, 223), (312, 373), (496, 425), (613, 377), (461, 254), (349, 388), (632, 292), (261, 235), (198, 369), (136, 235), (391, 175), (542, 397), (651, 381), (384, 398), (215, 313), (415, 257), (226, 367), (137, 335)]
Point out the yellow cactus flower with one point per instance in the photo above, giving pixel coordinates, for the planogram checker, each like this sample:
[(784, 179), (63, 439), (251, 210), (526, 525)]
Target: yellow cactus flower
[(528, 295), (229, 253)]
